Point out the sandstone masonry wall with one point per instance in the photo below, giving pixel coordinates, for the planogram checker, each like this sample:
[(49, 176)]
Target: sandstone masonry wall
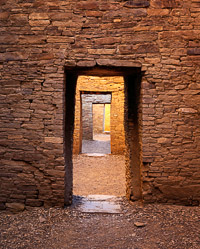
[(98, 118), (40, 38)]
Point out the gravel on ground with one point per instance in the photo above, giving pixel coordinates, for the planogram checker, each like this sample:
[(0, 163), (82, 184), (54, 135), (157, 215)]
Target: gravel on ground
[(138, 227)]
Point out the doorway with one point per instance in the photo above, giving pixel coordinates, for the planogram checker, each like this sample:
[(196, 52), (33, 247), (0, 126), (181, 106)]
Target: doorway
[(93, 118), (101, 125), (132, 124), (101, 119)]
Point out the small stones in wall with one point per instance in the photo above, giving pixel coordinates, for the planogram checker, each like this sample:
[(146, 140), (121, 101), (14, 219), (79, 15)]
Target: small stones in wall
[(165, 3), (137, 4), (15, 207), (193, 51)]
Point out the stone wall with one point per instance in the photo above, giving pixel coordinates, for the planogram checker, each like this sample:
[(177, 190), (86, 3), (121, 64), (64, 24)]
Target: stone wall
[(98, 111), (106, 121), (101, 118), (113, 87), (39, 39)]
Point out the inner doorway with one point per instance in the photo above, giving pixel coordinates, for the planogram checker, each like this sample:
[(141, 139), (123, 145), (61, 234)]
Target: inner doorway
[(101, 119), (101, 126), (95, 118), (101, 122), (132, 118)]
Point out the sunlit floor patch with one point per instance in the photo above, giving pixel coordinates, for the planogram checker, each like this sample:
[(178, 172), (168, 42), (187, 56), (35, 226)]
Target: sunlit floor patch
[(96, 146), (94, 154)]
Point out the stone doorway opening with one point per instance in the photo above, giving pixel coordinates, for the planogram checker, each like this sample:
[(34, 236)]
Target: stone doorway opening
[(132, 124), (101, 124), (98, 170)]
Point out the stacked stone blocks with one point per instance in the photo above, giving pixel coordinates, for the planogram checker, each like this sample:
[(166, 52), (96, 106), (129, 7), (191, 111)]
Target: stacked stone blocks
[(39, 39)]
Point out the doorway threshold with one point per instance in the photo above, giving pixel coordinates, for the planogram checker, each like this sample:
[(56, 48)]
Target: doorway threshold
[(108, 204), (94, 154)]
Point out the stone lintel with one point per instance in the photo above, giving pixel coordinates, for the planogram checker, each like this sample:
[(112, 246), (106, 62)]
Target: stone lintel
[(86, 63), (118, 63)]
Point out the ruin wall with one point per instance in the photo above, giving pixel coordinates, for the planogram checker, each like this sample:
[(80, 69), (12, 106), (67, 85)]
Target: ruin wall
[(39, 39)]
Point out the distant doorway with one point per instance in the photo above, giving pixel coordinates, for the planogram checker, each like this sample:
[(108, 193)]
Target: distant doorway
[(101, 118), (95, 119)]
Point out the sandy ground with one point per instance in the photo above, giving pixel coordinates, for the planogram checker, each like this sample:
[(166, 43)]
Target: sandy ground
[(99, 175)]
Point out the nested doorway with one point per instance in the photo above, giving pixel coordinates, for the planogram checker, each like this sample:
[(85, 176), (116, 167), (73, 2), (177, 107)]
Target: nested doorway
[(132, 124), (95, 118)]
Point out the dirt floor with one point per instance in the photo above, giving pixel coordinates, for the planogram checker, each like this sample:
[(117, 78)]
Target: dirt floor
[(99, 144), (162, 226), (135, 226), (103, 175)]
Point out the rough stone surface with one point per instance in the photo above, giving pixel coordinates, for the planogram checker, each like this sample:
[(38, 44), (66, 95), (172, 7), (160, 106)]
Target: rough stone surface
[(15, 207), (137, 4), (39, 38)]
